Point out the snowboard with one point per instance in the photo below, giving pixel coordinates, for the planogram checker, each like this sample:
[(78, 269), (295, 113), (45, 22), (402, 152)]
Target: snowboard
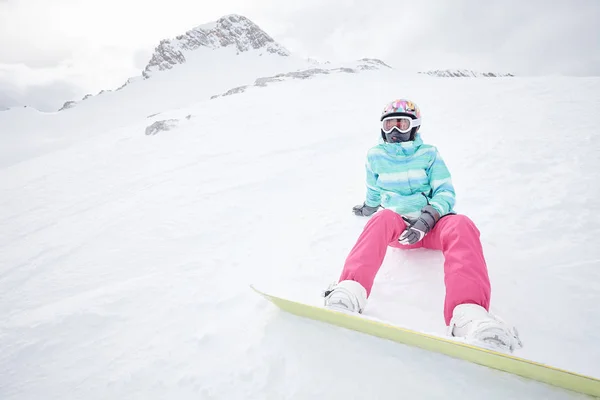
[(454, 348)]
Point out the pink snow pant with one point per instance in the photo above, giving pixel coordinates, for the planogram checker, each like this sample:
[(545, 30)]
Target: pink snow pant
[(465, 271)]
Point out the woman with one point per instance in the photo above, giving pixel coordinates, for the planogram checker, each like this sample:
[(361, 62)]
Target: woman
[(411, 183)]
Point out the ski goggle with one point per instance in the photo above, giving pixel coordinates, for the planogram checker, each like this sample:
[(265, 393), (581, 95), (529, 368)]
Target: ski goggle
[(402, 123)]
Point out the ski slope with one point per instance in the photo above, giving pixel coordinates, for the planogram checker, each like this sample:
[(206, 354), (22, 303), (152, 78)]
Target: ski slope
[(126, 259)]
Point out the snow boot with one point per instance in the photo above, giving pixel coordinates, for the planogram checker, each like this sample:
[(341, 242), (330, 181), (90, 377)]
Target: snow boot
[(347, 296), (481, 328)]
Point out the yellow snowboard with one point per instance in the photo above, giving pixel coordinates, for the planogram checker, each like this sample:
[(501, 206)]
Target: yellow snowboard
[(489, 358)]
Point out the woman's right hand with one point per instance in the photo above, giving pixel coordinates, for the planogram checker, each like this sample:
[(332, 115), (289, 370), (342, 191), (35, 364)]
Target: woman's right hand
[(364, 210)]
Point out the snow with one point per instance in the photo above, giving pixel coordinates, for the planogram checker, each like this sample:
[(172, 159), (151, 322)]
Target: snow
[(126, 259)]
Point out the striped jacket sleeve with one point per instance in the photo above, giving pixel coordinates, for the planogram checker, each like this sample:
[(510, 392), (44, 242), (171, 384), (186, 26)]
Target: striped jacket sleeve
[(443, 196), (373, 195)]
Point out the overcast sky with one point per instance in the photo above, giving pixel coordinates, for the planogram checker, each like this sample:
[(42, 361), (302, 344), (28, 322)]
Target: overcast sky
[(57, 50)]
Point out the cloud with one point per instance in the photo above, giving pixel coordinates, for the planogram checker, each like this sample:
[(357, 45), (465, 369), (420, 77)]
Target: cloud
[(7, 98), (43, 96), (524, 37), (141, 57), (33, 36), (47, 88)]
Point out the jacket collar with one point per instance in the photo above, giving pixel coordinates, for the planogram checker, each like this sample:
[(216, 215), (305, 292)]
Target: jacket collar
[(403, 148)]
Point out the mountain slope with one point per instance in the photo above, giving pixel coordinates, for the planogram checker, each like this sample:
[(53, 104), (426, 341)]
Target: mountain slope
[(205, 62), (125, 259)]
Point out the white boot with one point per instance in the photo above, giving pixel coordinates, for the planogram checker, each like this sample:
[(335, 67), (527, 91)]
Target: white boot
[(477, 326), (346, 296)]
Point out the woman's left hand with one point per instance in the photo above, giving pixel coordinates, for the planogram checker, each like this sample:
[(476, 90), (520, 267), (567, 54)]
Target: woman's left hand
[(417, 231)]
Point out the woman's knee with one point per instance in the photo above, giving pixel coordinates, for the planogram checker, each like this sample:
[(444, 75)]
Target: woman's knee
[(387, 220), (386, 217), (460, 222), (385, 214)]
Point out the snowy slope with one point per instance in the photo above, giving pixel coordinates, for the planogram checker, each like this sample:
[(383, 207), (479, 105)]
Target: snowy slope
[(209, 73), (190, 68), (190, 83), (125, 259)]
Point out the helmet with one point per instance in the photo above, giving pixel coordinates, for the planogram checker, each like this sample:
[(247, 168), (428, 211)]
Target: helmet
[(400, 121)]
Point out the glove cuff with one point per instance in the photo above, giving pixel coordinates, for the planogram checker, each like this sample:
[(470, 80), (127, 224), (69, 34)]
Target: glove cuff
[(430, 216)]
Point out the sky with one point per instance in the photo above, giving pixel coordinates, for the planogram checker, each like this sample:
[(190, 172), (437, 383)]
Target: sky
[(59, 50)]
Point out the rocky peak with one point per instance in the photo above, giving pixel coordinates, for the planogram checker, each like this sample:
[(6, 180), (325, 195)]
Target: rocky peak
[(68, 104), (464, 73), (231, 30)]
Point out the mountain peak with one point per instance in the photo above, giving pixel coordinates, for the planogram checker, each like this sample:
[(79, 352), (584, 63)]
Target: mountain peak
[(232, 30)]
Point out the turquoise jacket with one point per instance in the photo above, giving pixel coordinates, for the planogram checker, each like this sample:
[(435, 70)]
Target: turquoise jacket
[(405, 177)]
